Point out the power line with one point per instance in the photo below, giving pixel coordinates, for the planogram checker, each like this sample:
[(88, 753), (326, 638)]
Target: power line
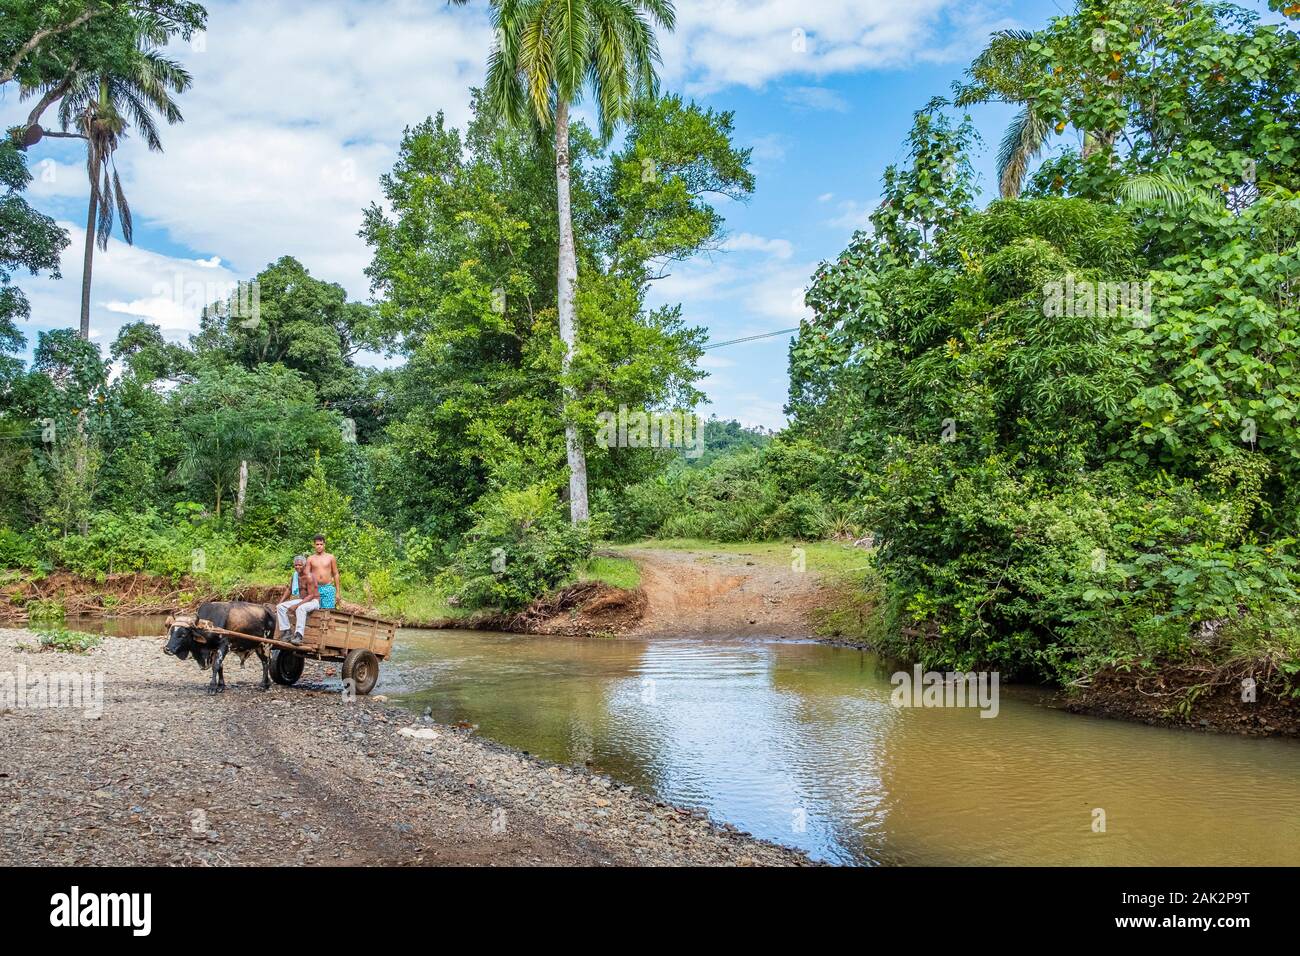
[(749, 338)]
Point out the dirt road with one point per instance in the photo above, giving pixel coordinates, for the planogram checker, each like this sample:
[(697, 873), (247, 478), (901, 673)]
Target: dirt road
[(712, 592), (168, 775)]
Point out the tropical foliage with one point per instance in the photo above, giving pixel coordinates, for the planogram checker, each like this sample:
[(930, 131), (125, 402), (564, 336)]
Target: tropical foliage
[(1068, 419), (218, 457)]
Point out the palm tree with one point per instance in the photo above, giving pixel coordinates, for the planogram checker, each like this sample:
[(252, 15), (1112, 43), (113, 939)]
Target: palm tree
[(1020, 146), (548, 52), (1001, 72), (101, 107)]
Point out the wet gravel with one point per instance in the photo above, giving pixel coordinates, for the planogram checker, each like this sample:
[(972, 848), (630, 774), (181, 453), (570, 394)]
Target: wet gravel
[(168, 775)]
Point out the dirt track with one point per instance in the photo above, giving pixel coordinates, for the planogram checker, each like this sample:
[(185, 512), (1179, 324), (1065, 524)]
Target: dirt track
[(710, 592), (168, 775)]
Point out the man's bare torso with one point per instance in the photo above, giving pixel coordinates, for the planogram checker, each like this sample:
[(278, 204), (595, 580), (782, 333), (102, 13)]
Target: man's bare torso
[(322, 567)]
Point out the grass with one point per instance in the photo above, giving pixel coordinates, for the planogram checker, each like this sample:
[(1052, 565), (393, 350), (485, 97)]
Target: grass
[(229, 583), (417, 603), (614, 571), (829, 558), (420, 603), (854, 611)]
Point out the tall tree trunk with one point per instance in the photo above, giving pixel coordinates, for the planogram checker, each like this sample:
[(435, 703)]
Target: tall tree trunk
[(87, 263), (243, 490), (568, 307)]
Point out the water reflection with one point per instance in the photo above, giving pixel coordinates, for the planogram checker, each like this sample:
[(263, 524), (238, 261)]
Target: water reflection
[(798, 742), (135, 625)]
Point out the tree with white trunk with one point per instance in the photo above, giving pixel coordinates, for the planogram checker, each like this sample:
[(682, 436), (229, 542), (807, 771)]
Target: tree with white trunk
[(548, 53)]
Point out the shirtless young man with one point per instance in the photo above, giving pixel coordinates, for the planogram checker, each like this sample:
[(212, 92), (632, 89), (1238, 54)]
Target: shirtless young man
[(325, 570), (302, 596)]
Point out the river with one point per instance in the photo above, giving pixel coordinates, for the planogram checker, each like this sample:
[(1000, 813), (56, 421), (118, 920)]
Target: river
[(798, 743)]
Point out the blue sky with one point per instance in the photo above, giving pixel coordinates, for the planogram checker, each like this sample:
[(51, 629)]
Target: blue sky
[(297, 109)]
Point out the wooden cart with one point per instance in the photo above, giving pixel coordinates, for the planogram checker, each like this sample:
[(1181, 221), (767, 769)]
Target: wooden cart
[(360, 642)]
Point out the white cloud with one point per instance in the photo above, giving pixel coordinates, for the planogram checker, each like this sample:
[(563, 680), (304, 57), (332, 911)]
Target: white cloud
[(852, 215), (52, 179), (770, 147), (753, 301), (816, 98), (759, 411), (748, 242), (778, 295), (751, 42), (701, 280), (130, 284)]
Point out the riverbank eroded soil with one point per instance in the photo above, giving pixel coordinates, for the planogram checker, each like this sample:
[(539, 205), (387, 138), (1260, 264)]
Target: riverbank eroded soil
[(1188, 696)]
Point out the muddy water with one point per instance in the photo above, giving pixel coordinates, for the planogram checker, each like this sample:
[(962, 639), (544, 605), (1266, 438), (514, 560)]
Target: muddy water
[(798, 743), (136, 625)]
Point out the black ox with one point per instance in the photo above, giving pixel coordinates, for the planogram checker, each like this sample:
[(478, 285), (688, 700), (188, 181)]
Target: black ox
[(185, 639)]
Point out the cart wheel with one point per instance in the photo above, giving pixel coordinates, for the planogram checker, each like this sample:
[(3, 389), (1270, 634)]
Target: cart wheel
[(286, 667), (362, 668)]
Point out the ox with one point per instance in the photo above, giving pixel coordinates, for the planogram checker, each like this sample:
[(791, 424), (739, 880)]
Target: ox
[(184, 639)]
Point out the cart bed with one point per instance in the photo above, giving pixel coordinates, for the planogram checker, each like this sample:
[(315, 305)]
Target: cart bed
[(331, 634)]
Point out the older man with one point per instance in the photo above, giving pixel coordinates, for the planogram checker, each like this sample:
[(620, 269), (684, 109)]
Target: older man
[(302, 596)]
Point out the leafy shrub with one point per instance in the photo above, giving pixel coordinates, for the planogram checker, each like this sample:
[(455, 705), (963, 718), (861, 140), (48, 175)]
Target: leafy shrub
[(520, 547), (422, 555), (755, 493), (803, 515), (62, 640), (1053, 492), (132, 541), (986, 568), (318, 507), (45, 610), (18, 550)]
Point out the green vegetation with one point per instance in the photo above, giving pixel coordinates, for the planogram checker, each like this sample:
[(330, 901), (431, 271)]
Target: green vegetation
[(1068, 419), (832, 558), (614, 571), (442, 484), (723, 438), (756, 493), (61, 640)]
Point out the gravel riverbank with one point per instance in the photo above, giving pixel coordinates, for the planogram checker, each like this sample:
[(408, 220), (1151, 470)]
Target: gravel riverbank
[(167, 775)]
